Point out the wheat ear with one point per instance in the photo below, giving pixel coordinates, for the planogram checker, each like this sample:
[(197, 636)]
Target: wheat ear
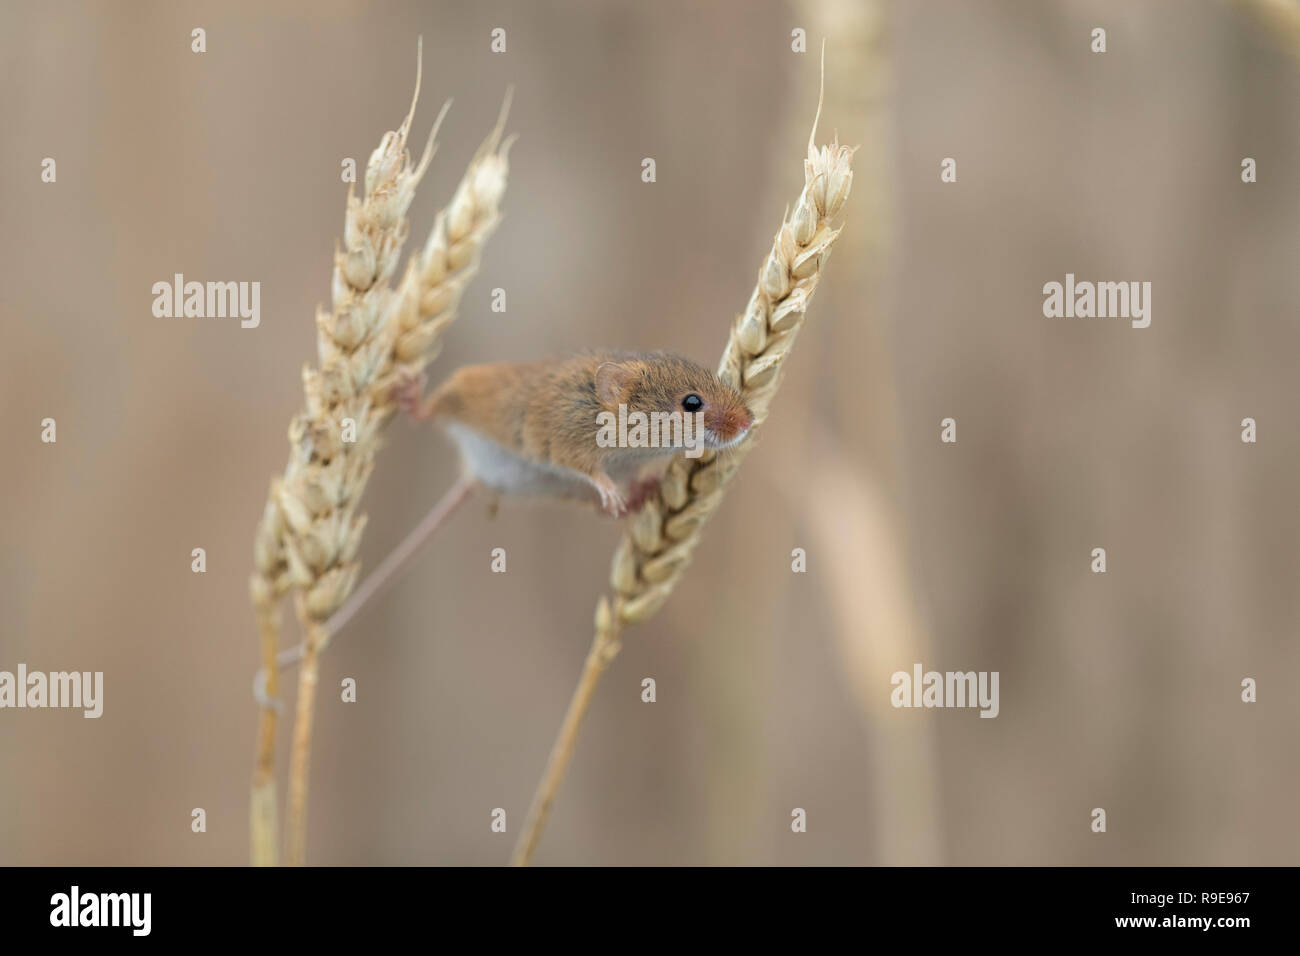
[(334, 441), (422, 308), (658, 542), (435, 279), (311, 528), (425, 304)]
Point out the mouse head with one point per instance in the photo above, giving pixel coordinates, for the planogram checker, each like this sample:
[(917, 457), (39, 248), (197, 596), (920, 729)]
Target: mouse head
[(666, 383)]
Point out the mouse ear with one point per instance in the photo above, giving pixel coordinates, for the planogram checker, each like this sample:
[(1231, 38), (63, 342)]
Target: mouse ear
[(613, 383)]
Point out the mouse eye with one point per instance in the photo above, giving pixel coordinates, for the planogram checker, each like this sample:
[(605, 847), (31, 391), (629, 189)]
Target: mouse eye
[(692, 402)]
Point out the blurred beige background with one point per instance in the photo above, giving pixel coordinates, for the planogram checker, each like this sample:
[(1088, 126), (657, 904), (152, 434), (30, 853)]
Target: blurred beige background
[(1118, 691)]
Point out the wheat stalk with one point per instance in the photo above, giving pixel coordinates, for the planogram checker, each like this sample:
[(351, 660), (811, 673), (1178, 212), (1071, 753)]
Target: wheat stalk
[(373, 338), (658, 542)]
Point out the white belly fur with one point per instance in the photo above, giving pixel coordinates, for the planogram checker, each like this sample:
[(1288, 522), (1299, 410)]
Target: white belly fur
[(498, 467)]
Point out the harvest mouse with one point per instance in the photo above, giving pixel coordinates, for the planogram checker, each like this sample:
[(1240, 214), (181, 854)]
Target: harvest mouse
[(535, 428)]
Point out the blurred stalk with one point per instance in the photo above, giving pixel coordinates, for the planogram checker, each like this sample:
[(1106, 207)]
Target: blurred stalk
[(852, 501), (861, 559), (1282, 17), (264, 830)]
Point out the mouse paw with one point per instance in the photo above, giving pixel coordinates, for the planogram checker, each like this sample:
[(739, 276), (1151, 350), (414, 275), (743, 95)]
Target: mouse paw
[(611, 499), (613, 504), (408, 393)]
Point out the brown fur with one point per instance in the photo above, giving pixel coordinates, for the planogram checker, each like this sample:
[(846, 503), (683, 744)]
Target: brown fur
[(546, 411)]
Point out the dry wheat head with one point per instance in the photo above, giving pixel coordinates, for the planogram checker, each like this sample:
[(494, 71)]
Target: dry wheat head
[(334, 439), (372, 338), (430, 291), (659, 541)]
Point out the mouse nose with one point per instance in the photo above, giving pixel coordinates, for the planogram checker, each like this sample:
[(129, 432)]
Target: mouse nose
[(732, 422)]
